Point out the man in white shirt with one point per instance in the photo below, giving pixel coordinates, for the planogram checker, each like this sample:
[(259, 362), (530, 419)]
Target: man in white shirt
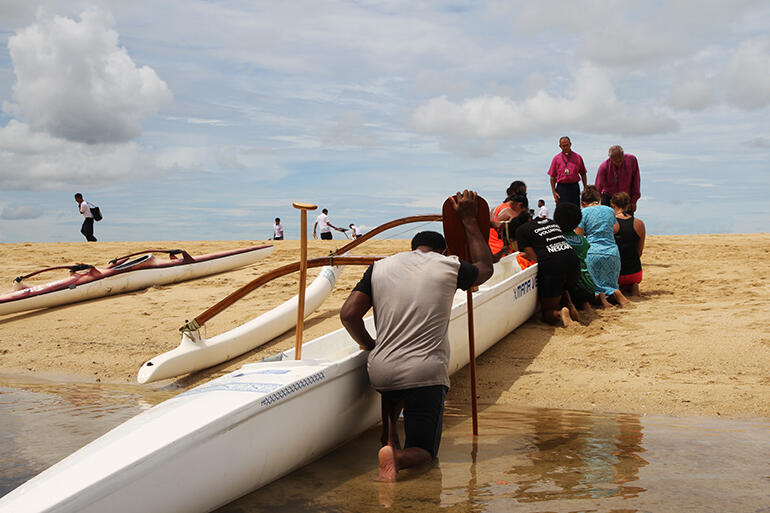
[(354, 231), (324, 225), (277, 229), (88, 218), (542, 211)]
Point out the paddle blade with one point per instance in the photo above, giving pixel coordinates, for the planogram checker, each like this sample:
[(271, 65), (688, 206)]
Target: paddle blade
[(454, 231)]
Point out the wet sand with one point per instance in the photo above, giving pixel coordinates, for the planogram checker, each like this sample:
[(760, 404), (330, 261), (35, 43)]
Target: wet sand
[(695, 343)]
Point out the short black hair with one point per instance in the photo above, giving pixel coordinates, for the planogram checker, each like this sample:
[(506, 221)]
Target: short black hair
[(540, 201), (277, 219), (325, 211), (78, 195), (433, 240), (567, 216), (521, 219)]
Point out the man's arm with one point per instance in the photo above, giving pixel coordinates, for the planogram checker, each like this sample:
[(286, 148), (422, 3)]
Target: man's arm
[(352, 317), (635, 191), (583, 173), (553, 189), (315, 225), (599, 184), (465, 204)]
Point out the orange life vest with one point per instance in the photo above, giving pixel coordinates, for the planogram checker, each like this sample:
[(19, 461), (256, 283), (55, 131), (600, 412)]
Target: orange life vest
[(496, 244)]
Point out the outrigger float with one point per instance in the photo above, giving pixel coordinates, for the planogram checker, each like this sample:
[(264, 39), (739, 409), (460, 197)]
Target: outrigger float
[(124, 274), (223, 439)]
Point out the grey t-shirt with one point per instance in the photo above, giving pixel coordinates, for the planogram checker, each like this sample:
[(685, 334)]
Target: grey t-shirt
[(412, 295)]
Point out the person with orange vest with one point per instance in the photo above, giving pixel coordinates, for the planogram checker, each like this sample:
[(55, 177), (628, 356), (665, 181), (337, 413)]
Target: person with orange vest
[(499, 216)]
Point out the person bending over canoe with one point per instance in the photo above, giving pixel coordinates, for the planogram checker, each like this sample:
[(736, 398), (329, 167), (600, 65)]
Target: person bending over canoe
[(412, 294), (558, 270)]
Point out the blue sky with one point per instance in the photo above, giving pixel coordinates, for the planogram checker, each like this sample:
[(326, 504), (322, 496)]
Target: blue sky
[(188, 120)]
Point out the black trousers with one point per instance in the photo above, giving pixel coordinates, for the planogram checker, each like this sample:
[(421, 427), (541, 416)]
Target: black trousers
[(88, 229), (569, 192)]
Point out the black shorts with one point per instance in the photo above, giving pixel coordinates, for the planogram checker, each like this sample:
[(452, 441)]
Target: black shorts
[(326, 235), (557, 275), (423, 415)]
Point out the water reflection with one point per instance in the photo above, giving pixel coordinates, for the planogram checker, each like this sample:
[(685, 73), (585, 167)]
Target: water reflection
[(527, 460), (41, 422), (537, 460)]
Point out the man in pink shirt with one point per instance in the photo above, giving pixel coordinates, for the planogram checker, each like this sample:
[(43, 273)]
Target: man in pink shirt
[(619, 173), (566, 171)]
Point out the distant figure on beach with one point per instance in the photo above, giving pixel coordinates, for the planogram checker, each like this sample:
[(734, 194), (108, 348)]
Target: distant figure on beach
[(501, 240), (277, 229), (87, 229), (412, 294), (603, 258), (542, 211), (324, 225), (568, 216), (619, 173), (629, 236), (354, 231), (558, 267), (566, 171)]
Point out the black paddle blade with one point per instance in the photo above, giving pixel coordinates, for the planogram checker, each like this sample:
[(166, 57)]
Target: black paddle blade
[(454, 231)]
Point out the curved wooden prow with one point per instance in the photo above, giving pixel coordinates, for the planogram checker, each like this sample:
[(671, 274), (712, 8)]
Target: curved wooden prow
[(201, 319), (269, 276), (457, 244)]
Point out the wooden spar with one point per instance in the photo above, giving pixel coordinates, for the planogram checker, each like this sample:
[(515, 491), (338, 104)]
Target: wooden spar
[(303, 208), (457, 244), (71, 268), (218, 308), (270, 276)]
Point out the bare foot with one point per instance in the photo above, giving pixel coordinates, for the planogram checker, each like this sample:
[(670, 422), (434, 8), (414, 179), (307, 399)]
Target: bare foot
[(388, 464), (620, 298), (635, 290), (603, 300), (565, 317), (573, 312)]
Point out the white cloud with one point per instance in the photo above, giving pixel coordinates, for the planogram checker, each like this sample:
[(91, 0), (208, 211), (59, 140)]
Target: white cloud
[(693, 92), (74, 82), (747, 75), (590, 106), (20, 212)]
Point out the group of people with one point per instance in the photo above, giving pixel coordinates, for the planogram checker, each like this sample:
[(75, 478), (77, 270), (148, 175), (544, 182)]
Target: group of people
[(586, 254), (322, 225)]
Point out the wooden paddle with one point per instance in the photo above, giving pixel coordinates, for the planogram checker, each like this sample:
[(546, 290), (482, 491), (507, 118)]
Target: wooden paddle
[(457, 244), (303, 208)]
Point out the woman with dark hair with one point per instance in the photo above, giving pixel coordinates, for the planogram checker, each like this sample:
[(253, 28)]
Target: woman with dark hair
[(568, 216), (558, 267), (516, 187), (501, 241), (603, 257), (629, 236)]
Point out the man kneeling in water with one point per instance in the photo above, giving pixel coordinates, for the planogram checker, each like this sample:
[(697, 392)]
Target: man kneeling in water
[(412, 295)]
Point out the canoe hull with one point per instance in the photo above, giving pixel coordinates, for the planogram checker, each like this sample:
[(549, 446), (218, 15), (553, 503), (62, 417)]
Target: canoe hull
[(114, 281), (221, 440)]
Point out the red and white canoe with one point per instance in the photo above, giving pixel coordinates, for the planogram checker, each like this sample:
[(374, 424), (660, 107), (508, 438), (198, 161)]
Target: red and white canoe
[(125, 274)]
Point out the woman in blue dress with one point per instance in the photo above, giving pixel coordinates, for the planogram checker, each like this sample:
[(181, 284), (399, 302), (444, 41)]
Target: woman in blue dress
[(603, 258)]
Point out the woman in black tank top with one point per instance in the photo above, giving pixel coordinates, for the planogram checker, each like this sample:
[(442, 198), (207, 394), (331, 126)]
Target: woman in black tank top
[(629, 236)]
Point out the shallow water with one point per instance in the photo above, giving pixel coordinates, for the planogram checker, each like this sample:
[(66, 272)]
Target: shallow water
[(528, 460)]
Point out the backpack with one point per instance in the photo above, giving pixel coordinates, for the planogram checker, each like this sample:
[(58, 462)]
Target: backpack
[(95, 212)]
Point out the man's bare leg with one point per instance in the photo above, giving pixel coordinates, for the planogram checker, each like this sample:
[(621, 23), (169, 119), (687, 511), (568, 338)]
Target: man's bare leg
[(573, 311), (635, 290), (603, 300)]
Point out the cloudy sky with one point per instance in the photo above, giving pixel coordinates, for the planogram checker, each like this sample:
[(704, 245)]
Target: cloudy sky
[(190, 119)]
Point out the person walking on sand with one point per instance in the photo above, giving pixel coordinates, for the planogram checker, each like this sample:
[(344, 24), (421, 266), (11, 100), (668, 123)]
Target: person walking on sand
[(277, 229), (412, 294), (619, 173), (566, 171), (324, 225), (87, 229)]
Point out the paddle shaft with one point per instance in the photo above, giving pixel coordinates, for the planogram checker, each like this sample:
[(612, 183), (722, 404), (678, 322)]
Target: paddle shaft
[(472, 360), (302, 277)]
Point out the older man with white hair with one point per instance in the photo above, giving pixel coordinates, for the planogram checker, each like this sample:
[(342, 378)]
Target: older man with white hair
[(619, 173)]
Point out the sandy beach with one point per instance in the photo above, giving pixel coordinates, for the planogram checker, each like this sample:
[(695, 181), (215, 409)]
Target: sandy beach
[(695, 344)]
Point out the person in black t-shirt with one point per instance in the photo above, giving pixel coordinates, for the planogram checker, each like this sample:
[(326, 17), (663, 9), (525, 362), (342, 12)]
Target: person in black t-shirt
[(558, 269)]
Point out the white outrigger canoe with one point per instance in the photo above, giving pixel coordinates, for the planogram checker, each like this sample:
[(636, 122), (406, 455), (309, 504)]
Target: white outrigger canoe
[(221, 440), (125, 274), (195, 352)]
